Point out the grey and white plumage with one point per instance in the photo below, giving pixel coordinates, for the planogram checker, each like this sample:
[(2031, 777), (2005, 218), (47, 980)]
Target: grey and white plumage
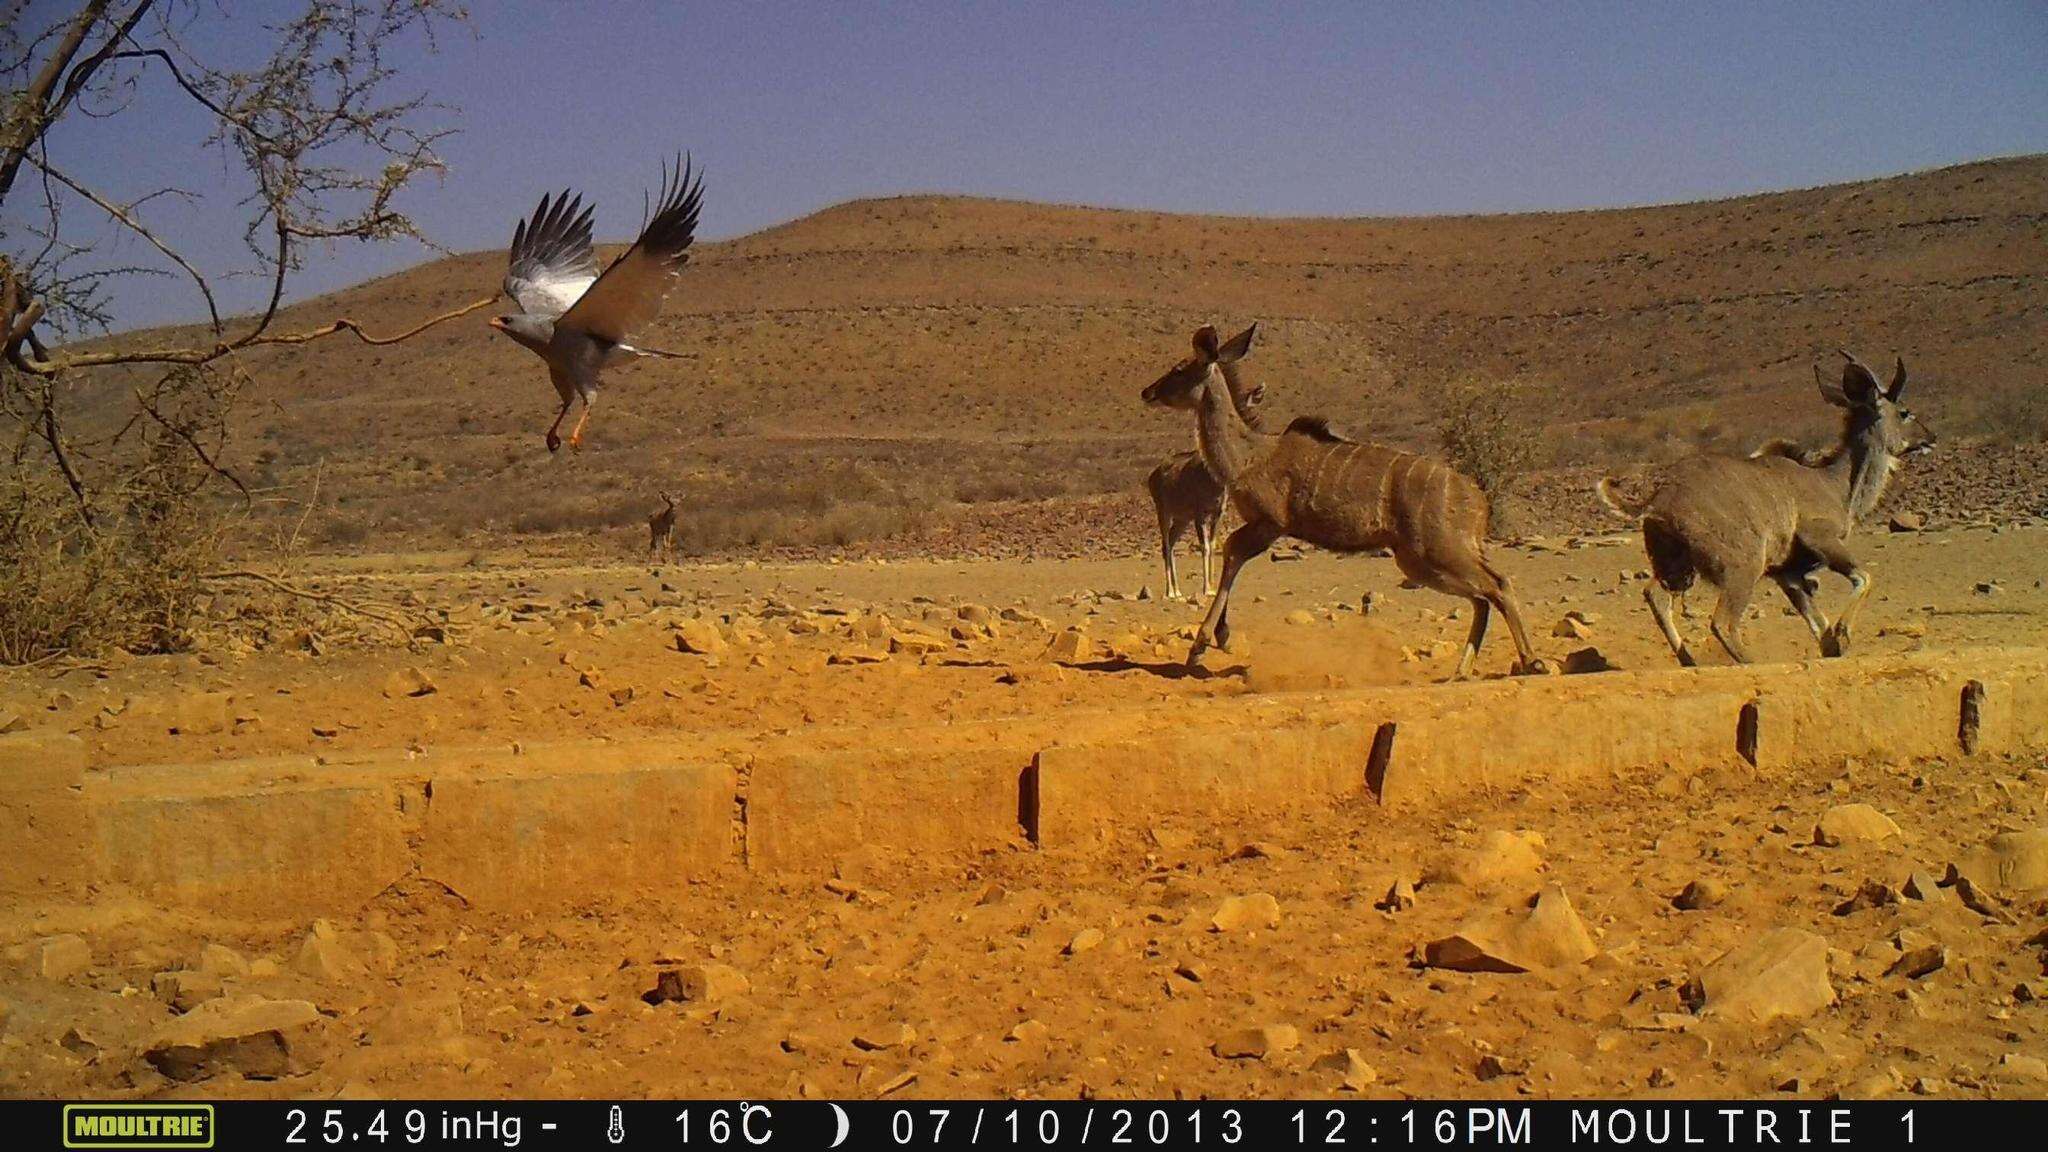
[(578, 319)]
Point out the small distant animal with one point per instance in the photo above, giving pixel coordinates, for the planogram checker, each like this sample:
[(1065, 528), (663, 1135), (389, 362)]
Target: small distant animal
[(1310, 483), (578, 320), (1783, 511), (661, 529)]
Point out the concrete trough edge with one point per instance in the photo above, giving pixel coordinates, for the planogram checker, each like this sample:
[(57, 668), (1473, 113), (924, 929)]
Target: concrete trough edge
[(559, 825)]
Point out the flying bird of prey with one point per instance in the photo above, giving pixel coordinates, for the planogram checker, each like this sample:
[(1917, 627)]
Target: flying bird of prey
[(577, 319)]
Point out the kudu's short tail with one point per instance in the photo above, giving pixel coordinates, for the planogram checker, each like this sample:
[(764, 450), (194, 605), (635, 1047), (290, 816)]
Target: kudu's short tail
[(1619, 502)]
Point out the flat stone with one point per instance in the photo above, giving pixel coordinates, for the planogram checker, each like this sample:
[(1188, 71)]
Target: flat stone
[(1853, 824), (1546, 934), (1257, 1043), (62, 957), (858, 655), (1084, 940), (885, 1038), (698, 983), (409, 682), (2020, 1066), (1026, 1032), (1240, 913), (245, 1034), (1781, 973)]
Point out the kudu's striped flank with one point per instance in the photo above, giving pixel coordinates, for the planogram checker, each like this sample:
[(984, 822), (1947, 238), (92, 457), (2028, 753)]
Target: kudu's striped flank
[(1314, 485)]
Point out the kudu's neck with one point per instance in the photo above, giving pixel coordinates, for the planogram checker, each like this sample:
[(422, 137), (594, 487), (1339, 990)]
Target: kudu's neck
[(1240, 387), (1228, 443), (1860, 464)]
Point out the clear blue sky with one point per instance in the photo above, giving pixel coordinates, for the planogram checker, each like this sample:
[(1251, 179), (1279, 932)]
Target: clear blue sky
[(1297, 109)]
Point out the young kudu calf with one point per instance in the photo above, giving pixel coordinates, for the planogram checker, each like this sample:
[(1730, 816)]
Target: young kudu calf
[(1185, 496), (1311, 484), (1779, 512)]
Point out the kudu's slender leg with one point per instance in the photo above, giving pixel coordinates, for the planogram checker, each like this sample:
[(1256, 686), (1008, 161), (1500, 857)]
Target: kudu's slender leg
[(1206, 526), (1247, 542), (1658, 598), (1474, 638), (1736, 590), (1169, 535), (1836, 555), (1801, 596)]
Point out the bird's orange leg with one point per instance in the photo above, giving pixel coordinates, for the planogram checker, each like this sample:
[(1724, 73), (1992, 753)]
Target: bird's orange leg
[(576, 433)]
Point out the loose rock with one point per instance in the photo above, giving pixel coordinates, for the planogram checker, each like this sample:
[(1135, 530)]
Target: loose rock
[(1919, 962), (699, 638), (1239, 913), (1782, 973), (1852, 824), (1701, 894), (1257, 1043), (1084, 940), (245, 1034), (62, 957), (1548, 934), (412, 682)]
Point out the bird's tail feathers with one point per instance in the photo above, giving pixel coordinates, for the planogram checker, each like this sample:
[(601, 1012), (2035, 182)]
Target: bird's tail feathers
[(665, 354)]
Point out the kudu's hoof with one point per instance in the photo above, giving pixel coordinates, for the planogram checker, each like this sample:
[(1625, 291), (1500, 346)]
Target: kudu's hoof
[(1536, 667), (1834, 642)]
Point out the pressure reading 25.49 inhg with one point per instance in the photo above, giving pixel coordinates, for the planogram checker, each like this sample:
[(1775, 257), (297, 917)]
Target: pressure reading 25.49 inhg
[(484, 1124)]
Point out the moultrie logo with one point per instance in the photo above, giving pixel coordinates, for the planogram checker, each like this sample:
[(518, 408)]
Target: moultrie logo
[(138, 1125)]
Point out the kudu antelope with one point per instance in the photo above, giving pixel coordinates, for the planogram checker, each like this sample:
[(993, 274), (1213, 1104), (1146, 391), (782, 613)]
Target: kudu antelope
[(1185, 495), (1780, 512), (661, 528), (1316, 486)]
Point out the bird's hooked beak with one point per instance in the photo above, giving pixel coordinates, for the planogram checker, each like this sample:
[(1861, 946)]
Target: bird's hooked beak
[(498, 322)]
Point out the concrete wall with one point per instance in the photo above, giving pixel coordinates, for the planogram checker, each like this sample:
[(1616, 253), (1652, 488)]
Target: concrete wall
[(558, 825)]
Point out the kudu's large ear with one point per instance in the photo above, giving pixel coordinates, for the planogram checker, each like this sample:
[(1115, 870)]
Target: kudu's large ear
[(1859, 384), (1898, 385), (1832, 393), (1206, 341), (1235, 347)]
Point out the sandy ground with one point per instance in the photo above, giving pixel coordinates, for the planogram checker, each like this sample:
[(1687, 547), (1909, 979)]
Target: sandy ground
[(1039, 973)]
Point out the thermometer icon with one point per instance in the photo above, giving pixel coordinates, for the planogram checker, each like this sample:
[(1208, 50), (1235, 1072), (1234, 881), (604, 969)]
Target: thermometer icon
[(616, 1131)]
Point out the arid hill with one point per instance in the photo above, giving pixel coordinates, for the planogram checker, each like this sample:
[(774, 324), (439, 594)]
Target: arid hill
[(882, 362)]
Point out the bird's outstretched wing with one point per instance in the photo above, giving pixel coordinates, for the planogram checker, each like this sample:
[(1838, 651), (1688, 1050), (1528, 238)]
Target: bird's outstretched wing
[(552, 264), (630, 292)]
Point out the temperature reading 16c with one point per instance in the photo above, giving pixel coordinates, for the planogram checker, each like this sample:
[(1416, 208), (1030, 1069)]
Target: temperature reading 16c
[(748, 1123)]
